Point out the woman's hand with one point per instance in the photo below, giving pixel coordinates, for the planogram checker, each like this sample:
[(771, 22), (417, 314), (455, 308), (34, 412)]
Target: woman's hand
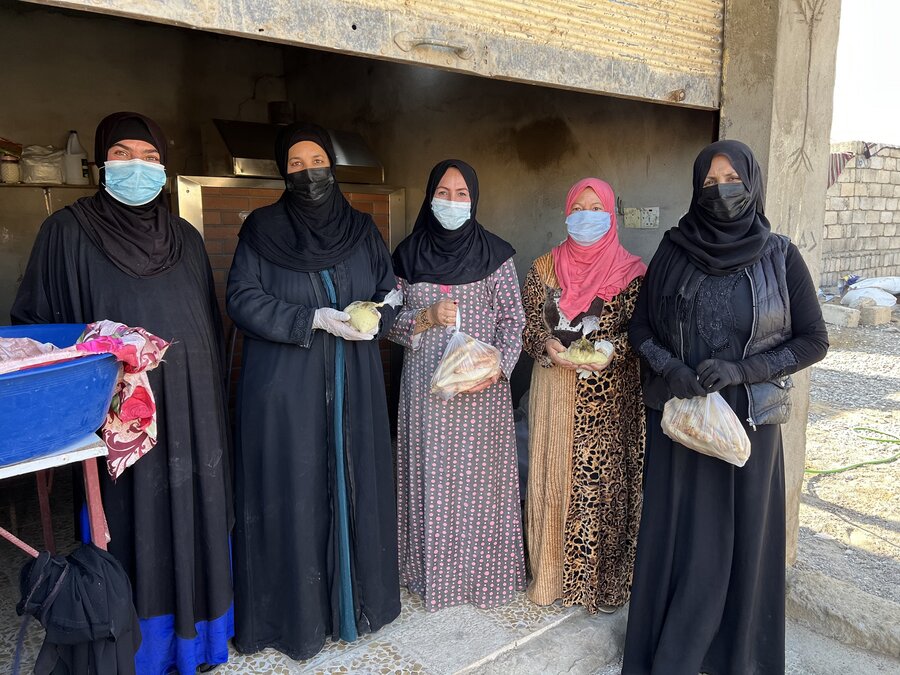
[(484, 384), (716, 374), (337, 323), (594, 368), (443, 312), (682, 380), (554, 348)]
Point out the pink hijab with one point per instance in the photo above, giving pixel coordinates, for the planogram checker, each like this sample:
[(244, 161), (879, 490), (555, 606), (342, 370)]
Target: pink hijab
[(602, 269)]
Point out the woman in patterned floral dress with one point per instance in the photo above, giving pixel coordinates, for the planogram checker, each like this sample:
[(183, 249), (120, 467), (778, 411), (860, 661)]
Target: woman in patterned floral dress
[(460, 532), (586, 427)]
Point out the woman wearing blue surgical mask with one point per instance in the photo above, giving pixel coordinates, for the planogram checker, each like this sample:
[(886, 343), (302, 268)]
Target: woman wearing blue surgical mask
[(122, 255), (457, 478), (586, 422)]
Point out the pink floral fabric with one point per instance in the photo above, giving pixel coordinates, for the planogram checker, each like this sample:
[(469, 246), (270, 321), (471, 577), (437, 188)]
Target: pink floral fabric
[(130, 428)]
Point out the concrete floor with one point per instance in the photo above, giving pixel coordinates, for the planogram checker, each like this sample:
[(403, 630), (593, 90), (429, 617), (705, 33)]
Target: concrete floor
[(416, 642), (517, 639)]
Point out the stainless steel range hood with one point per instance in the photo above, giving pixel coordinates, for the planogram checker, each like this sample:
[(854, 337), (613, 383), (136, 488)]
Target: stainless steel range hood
[(245, 149)]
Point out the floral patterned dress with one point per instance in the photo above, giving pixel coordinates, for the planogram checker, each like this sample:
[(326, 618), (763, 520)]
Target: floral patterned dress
[(460, 531), (586, 447)]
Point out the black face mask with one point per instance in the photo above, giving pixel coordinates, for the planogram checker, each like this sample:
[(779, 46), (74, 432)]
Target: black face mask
[(724, 201), (310, 186)]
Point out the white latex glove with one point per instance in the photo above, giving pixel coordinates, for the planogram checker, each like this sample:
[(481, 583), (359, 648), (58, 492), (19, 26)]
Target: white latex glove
[(336, 322)]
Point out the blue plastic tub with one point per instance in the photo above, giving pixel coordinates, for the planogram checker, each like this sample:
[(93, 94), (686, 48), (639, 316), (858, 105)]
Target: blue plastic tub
[(44, 409)]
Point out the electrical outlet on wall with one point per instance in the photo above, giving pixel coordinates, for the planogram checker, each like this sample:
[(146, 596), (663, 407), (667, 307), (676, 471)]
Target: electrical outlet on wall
[(646, 218), (632, 218), (649, 218)]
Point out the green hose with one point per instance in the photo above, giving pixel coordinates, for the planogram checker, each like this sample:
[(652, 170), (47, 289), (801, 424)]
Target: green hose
[(884, 437)]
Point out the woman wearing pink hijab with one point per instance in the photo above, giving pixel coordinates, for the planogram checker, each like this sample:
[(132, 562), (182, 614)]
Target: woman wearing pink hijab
[(586, 423)]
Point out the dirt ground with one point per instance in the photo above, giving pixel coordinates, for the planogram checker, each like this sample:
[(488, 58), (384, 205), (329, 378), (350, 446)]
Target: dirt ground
[(850, 521)]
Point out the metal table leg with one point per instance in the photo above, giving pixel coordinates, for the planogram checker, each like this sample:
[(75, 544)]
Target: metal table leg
[(44, 481), (96, 516), (15, 541)]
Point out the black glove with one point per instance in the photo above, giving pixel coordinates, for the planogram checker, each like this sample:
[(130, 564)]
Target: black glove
[(716, 374), (682, 380)]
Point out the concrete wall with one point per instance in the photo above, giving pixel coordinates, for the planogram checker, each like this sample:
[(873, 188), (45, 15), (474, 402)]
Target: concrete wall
[(778, 81), (528, 144), (862, 219), (67, 70)]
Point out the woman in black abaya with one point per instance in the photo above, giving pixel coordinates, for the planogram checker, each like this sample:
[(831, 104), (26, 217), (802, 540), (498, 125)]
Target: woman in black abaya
[(316, 542), (122, 255), (729, 306)]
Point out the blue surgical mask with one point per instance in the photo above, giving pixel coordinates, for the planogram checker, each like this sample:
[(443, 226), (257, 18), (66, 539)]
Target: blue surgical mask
[(451, 215), (588, 227), (134, 182)]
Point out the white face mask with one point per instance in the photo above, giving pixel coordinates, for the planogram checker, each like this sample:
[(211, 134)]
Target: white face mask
[(451, 215), (588, 227)]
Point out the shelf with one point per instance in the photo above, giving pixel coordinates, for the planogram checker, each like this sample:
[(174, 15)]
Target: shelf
[(80, 450)]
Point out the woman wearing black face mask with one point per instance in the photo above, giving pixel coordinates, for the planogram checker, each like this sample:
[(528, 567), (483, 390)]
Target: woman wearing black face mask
[(728, 306), (316, 546)]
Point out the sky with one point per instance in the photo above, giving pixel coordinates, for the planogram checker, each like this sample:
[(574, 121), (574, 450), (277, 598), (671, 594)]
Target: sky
[(867, 78)]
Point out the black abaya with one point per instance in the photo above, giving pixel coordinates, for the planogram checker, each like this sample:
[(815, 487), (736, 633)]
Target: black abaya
[(708, 589), (169, 514), (286, 547)]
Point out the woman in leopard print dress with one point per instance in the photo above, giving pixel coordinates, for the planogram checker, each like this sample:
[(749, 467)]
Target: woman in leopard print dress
[(586, 427)]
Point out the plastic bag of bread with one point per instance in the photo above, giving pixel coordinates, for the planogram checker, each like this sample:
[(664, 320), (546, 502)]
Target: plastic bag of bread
[(465, 363), (708, 425)]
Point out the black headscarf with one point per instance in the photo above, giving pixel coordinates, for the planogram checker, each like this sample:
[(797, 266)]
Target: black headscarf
[(723, 247), (142, 241), (437, 255), (300, 236)]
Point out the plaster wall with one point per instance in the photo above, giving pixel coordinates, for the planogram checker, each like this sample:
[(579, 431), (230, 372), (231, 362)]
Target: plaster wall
[(528, 144), (67, 70)]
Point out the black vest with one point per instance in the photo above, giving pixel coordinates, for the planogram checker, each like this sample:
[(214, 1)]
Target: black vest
[(769, 402)]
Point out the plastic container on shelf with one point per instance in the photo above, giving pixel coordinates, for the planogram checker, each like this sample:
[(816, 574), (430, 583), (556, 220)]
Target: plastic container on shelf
[(9, 169), (75, 164), (42, 165), (46, 408)]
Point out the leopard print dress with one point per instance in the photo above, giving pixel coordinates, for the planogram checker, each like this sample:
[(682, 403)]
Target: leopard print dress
[(586, 446)]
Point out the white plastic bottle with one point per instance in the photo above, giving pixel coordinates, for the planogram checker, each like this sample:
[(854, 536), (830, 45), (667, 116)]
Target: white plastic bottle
[(75, 165)]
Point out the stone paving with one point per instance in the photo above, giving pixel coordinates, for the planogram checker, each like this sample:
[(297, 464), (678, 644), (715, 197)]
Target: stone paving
[(418, 641)]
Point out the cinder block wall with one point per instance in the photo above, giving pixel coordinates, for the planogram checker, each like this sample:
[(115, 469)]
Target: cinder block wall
[(862, 218)]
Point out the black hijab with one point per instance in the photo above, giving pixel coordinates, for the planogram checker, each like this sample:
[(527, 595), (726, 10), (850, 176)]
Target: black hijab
[(142, 241), (437, 255), (300, 236), (723, 247)]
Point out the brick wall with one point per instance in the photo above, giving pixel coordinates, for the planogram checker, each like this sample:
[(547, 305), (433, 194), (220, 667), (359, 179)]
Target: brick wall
[(862, 218), (224, 210)]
